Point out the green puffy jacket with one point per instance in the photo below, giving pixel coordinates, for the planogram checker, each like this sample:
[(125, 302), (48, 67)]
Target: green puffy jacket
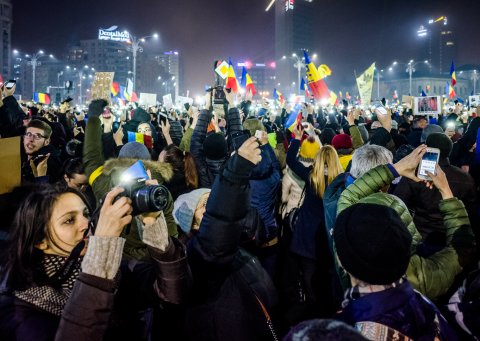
[(104, 175), (432, 276)]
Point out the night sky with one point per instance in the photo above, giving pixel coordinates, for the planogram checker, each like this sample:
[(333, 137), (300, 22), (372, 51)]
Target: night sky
[(352, 34)]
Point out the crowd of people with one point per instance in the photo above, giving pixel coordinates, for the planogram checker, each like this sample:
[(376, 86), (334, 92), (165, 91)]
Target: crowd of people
[(227, 223)]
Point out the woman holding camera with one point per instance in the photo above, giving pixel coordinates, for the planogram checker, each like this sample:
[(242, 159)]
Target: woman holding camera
[(61, 276)]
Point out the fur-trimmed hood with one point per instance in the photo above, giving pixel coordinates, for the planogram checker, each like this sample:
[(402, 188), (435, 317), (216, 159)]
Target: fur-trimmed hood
[(161, 171)]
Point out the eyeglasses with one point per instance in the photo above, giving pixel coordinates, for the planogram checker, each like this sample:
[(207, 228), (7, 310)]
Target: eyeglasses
[(36, 136)]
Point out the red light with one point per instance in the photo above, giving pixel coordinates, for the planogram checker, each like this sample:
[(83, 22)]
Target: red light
[(273, 65)]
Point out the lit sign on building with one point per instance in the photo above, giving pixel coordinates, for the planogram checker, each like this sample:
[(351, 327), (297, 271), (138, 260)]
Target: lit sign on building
[(289, 5), (112, 33)]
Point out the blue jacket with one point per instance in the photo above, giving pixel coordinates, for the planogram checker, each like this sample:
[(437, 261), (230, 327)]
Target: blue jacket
[(402, 309), (265, 183)]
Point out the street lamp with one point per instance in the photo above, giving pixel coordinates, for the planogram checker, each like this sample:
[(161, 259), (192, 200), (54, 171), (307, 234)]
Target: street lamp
[(34, 61), (410, 69), (136, 47), (474, 79)]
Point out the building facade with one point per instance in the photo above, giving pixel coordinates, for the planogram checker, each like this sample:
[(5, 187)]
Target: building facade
[(294, 32), (6, 13)]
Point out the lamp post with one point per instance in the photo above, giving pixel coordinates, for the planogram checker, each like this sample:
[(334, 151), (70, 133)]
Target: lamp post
[(136, 47), (410, 70), (474, 79), (299, 65), (378, 81), (34, 61)]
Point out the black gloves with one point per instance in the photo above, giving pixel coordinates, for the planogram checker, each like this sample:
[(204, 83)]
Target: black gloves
[(96, 107)]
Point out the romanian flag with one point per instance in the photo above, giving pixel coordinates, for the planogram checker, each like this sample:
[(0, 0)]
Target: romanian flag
[(304, 87), (340, 94), (333, 98), (295, 118), (114, 89), (424, 94), (450, 91), (232, 82), (277, 96), (140, 138), (40, 97), (347, 95), (452, 74), (122, 93), (247, 82), (315, 82)]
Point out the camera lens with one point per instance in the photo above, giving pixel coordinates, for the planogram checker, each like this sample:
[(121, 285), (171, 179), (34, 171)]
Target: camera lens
[(150, 198)]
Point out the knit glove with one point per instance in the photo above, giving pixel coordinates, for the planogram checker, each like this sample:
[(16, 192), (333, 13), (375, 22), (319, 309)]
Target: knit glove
[(156, 234), (103, 256), (96, 107)]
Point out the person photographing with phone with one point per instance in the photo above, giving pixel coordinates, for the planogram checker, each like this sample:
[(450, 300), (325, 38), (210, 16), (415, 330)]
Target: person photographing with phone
[(40, 160), (11, 114)]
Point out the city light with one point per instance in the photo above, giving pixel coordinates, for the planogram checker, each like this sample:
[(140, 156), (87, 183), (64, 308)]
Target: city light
[(269, 5)]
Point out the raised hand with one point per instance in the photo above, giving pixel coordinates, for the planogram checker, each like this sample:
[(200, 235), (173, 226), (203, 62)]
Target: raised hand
[(250, 150)]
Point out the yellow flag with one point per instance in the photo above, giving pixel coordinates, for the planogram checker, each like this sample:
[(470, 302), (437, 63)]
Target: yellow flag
[(324, 71), (365, 84), (333, 98)]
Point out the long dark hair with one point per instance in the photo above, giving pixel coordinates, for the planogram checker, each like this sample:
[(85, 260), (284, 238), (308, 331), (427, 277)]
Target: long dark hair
[(182, 162), (21, 260)]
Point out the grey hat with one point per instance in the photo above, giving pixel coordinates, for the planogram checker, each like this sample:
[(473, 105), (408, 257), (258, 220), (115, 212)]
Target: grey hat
[(134, 150), (185, 206), (430, 129)]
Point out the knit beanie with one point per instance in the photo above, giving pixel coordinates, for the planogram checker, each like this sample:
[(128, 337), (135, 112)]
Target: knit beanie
[(185, 206), (430, 129), (252, 125), (215, 147), (342, 141), (141, 115), (373, 243), (440, 141), (134, 150), (309, 148)]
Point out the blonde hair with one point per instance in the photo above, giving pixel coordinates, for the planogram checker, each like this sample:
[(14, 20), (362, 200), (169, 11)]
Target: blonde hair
[(326, 167)]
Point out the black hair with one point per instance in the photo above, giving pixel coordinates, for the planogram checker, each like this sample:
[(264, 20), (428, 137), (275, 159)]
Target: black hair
[(21, 259), (73, 166)]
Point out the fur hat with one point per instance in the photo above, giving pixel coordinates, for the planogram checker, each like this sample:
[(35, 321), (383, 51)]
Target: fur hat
[(442, 142)]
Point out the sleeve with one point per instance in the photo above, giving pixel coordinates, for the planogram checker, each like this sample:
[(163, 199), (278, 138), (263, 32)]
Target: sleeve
[(234, 123), (357, 139), (404, 191), (295, 165), (286, 185), (196, 147), (186, 139), (217, 241), (262, 169), (11, 117)]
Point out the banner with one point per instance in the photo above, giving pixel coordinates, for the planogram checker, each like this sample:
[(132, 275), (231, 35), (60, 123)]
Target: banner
[(167, 101), (365, 85), (10, 164), (474, 101), (180, 101), (148, 100), (101, 87)]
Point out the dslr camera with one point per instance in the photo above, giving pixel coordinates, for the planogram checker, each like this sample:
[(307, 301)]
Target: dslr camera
[(219, 97), (145, 198)]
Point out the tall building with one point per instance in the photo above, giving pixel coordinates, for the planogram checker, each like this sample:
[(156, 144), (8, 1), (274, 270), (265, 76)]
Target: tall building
[(262, 74), (172, 62), (104, 56), (438, 45), (294, 32), (6, 38)]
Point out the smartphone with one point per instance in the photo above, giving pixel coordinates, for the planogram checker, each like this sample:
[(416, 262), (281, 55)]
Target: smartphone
[(429, 163), (10, 84), (378, 106), (239, 137)]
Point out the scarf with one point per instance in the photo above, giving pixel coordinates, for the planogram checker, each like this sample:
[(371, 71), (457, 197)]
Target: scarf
[(359, 291), (48, 298)]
